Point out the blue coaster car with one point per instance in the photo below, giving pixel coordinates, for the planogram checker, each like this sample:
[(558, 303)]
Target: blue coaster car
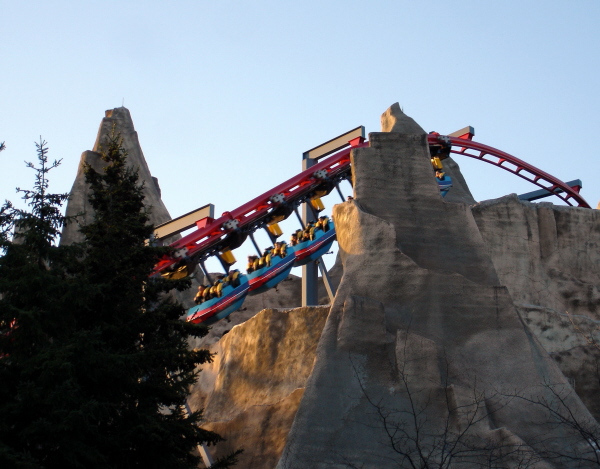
[(308, 251), (269, 276), (444, 184), (218, 308)]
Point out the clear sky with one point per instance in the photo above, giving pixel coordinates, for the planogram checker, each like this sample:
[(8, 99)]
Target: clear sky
[(226, 95)]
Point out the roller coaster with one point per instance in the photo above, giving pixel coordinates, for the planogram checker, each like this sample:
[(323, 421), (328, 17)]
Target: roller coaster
[(219, 237)]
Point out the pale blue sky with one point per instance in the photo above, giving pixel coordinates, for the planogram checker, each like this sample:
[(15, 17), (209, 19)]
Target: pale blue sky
[(226, 95)]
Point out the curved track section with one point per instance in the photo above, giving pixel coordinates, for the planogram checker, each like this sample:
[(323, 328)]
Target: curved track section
[(232, 228), (513, 165)]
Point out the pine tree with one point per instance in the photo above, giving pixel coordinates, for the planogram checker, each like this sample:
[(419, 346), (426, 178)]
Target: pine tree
[(96, 360), (6, 217), (30, 309), (146, 352)]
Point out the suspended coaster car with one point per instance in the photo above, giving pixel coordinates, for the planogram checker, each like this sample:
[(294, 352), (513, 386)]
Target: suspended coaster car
[(270, 275), (218, 308), (262, 279), (308, 251)]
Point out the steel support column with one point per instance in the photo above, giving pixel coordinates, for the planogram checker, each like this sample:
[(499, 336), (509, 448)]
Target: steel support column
[(310, 272), (326, 280)]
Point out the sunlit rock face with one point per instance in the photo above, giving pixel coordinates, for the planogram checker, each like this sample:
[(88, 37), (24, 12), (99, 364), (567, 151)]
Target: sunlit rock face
[(394, 120), (288, 294), (79, 206), (251, 391)]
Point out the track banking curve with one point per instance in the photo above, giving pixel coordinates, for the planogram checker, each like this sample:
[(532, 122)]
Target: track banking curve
[(232, 228), (517, 167)]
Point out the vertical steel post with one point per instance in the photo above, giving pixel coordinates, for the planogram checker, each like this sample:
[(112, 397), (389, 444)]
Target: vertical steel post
[(310, 272)]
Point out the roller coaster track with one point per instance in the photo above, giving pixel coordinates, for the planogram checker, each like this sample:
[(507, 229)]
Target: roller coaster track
[(513, 165), (232, 228)]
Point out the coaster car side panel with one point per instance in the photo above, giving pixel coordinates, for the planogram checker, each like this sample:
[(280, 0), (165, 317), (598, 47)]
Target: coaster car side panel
[(268, 277), (308, 251), (219, 308)]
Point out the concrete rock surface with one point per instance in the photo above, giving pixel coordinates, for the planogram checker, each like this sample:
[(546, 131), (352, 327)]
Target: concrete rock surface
[(424, 315), (394, 120), (548, 257), (450, 317), (78, 205), (288, 294), (251, 390), (423, 345)]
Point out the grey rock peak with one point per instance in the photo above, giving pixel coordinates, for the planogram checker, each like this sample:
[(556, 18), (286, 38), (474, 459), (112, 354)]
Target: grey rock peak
[(78, 204), (394, 120)]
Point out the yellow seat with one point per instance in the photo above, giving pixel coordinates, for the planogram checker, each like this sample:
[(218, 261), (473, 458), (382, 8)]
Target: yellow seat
[(317, 204), (436, 163), (227, 257), (274, 229)]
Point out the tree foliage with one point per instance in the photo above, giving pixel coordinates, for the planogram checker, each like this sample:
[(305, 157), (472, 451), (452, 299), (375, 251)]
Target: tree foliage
[(95, 366)]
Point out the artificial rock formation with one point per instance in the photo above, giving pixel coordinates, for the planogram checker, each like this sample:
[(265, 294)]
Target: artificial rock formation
[(287, 295), (394, 120), (450, 318), (118, 120), (251, 391), (451, 315), (548, 257), (78, 205), (424, 348)]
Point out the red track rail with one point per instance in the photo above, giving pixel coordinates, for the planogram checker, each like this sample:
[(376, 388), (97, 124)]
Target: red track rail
[(513, 165), (251, 212), (303, 183)]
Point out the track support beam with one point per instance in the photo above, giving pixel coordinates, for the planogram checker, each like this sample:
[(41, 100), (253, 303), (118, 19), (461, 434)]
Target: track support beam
[(575, 184), (205, 272), (326, 280), (337, 186), (207, 458), (310, 273), (255, 245)]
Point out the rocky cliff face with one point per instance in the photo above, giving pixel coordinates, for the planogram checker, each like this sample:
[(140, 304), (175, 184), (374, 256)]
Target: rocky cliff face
[(449, 319), (421, 319), (251, 391), (548, 257), (78, 205), (287, 295)]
